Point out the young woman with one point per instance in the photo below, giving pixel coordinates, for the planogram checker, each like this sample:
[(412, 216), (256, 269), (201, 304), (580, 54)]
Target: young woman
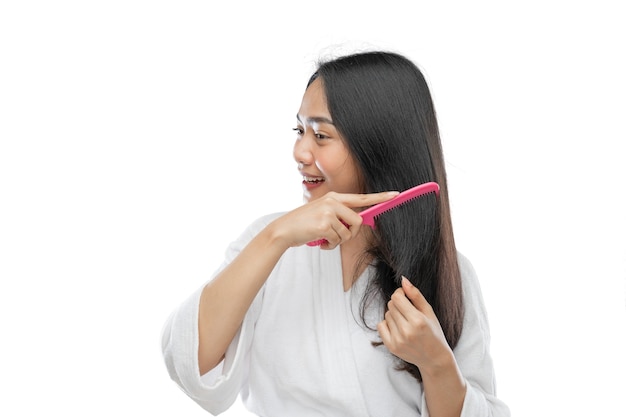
[(375, 322)]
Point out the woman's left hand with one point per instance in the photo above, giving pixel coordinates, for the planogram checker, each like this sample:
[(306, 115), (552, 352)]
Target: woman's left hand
[(411, 330)]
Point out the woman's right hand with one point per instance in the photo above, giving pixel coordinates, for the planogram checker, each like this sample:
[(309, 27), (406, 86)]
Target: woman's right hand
[(331, 217)]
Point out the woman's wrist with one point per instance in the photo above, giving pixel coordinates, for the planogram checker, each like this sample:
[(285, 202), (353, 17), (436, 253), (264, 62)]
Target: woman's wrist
[(443, 366), (275, 237)]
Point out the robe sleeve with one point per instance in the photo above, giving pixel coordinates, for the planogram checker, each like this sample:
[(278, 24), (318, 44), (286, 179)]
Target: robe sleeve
[(472, 353), (217, 390)]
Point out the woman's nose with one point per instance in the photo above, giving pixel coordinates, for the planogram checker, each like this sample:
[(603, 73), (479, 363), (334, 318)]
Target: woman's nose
[(302, 151)]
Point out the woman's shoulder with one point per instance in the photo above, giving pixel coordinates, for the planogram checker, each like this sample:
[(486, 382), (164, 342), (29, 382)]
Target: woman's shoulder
[(465, 266), (255, 226), (261, 222), (248, 233), (472, 292), (469, 278)]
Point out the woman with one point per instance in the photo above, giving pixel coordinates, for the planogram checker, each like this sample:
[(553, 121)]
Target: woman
[(374, 322)]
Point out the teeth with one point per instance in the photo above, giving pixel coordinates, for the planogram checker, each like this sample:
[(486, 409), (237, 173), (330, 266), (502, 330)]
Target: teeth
[(313, 179)]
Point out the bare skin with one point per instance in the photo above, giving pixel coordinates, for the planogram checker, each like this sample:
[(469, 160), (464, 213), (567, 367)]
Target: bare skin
[(351, 262), (225, 300)]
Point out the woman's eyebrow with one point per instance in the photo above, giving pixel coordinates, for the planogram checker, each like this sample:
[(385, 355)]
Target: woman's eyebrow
[(316, 119)]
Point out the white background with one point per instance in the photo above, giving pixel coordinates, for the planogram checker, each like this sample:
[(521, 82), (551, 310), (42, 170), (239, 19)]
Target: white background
[(138, 138)]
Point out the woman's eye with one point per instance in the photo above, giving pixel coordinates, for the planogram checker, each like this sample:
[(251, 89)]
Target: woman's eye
[(300, 131)]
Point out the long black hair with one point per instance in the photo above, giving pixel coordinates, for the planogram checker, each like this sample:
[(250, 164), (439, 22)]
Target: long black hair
[(382, 107)]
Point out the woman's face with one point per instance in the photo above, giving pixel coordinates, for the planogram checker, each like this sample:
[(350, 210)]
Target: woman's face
[(321, 153)]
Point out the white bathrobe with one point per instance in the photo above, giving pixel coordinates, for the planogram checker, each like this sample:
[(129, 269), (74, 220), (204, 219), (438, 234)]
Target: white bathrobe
[(303, 350)]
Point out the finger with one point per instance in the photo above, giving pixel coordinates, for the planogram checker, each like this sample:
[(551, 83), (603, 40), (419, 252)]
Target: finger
[(403, 307), (348, 216), (339, 233), (326, 218), (331, 208), (365, 200), (393, 320), (341, 221), (384, 332), (346, 225), (343, 230), (415, 295)]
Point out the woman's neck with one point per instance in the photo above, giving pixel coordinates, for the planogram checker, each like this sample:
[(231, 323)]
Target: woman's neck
[(353, 262)]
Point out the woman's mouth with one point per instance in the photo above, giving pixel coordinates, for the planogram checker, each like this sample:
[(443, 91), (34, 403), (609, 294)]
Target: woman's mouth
[(312, 182)]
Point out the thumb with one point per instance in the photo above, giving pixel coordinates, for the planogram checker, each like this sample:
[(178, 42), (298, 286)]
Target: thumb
[(415, 295)]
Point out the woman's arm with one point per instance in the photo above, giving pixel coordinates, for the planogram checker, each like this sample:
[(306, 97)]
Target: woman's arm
[(444, 388), (225, 300)]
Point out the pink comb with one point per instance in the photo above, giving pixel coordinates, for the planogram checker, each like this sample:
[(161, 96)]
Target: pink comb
[(371, 213)]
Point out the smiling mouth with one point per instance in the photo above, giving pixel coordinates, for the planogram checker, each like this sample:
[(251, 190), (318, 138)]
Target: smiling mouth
[(313, 180)]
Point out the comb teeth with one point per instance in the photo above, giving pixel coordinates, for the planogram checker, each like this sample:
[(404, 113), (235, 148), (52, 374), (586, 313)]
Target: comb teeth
[(370, 214), (404, 203)]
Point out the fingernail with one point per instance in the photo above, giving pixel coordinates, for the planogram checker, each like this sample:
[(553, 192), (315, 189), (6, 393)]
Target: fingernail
[(407, 281)]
